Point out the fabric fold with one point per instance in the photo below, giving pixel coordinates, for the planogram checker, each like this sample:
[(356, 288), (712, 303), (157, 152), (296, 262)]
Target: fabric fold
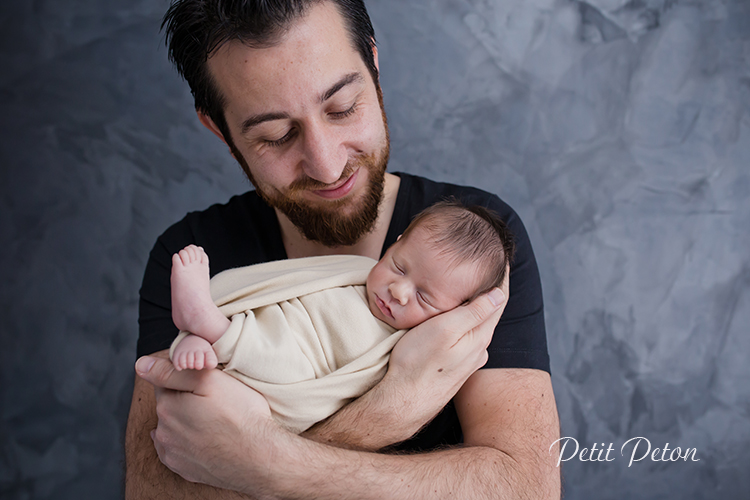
[(302, 334)]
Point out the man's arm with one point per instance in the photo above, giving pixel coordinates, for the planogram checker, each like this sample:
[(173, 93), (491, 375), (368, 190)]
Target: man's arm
[(267, 461), (514, 412), (509, 420), (273, 463)]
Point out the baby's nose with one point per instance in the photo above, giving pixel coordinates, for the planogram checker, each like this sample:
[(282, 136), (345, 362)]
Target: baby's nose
[(399, 292)]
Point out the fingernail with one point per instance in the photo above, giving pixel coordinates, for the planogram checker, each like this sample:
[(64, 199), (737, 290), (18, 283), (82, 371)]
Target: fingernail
[(144, 364), (496, 296)]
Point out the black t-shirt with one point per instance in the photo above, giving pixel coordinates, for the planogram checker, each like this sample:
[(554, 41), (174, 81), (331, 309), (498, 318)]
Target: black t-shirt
[(245, 231)]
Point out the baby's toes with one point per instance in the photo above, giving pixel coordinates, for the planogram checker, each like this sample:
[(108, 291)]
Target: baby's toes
[(211, 360), (185, 256), (179, 362), (194, 253), (199, 356), (176, 260)]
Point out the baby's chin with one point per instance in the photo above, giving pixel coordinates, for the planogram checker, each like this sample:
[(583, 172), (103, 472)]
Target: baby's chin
[(392, 322)]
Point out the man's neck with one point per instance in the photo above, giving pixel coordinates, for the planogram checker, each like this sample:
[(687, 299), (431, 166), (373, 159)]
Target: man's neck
[(370, 245)]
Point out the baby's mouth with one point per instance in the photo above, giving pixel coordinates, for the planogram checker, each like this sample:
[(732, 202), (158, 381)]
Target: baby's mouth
[(383, 307)]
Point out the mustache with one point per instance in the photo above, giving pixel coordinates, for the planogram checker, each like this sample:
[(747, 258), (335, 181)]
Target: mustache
[(310, 184)]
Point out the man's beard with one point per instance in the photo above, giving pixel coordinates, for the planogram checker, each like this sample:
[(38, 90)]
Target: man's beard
[(326, 223)]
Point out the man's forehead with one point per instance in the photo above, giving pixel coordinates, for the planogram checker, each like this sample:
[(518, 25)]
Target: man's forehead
[(313, 54)]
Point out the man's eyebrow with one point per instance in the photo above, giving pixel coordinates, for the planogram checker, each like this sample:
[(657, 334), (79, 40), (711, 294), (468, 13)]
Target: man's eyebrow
[(267, 117), (258, 119), (346, 80)]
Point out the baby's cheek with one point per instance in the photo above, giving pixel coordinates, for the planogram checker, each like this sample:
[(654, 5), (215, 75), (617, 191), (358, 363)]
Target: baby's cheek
[(373, 308), (430, 314)]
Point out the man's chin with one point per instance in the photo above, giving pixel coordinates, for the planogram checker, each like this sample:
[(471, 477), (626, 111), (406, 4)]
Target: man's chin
[(335, 223), (331, 224), (346, 204)]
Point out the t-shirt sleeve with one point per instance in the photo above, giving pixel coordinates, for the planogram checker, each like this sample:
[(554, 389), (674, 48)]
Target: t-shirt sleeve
[(520, 339)]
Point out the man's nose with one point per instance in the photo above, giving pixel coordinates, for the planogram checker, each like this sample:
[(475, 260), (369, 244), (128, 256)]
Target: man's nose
[(325, 155), (399, 291)]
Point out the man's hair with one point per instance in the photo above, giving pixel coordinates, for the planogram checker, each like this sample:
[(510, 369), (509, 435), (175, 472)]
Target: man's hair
[(469, 233), (196, 28)]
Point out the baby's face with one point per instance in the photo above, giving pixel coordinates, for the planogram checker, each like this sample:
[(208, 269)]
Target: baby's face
[(413, 282)]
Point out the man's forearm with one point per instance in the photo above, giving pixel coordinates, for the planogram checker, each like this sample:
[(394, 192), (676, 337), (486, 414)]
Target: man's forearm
[(371, 422), (313, 470), (509, 419)]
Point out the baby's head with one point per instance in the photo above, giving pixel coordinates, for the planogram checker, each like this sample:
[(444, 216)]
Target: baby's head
[(448, 255)]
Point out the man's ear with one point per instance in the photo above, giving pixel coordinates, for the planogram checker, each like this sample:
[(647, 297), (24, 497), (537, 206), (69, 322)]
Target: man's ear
[(375, 56), (210, 125)]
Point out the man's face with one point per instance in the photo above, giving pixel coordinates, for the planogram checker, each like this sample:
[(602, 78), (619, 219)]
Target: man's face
[(307, 126), (415, 281)]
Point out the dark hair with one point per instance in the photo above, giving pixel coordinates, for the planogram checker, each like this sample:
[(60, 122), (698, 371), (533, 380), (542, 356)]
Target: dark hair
[(196, 28), (469, 234)]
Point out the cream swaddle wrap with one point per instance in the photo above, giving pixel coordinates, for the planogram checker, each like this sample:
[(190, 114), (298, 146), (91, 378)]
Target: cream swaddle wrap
[(302, 334)]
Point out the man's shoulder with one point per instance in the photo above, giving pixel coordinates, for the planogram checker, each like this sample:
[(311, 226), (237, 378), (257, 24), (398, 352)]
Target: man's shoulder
[(242, 231), (244, 207), (417, 193), (237, 206)]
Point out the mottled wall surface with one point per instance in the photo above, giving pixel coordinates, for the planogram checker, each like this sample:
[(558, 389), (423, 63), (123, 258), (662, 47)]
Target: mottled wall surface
[(619, 130)]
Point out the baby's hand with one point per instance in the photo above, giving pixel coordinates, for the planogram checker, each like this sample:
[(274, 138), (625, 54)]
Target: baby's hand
[(194, 353)]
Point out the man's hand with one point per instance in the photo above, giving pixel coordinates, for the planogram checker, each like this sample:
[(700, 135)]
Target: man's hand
[(201, 415), (427, 368), (433, 360)]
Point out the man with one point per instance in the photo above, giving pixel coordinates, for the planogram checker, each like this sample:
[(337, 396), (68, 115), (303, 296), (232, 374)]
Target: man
[(293, 91)]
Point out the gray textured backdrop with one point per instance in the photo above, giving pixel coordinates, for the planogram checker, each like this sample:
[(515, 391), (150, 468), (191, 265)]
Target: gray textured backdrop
[(619, 130)]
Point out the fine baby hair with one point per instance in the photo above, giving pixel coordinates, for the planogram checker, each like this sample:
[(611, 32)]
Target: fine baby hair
[(469, 233)]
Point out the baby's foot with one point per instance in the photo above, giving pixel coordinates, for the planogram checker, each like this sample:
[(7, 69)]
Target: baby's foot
[(193, 310), (194, 353)]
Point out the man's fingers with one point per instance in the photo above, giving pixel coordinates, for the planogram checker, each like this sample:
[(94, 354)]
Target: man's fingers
[(467, 317), (162, 373), (455, 324), (480, 309), (487, 333)]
